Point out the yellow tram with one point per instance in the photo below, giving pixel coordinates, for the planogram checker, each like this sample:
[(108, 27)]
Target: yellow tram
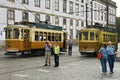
[(29, 38), (91, 39)]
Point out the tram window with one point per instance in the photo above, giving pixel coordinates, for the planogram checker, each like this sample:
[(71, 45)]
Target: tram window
[(56, 37), (97, 37), (80, 36), (49, 36), (85, 35), (91, 35), (26, 33), (59, 37), (114, 38), (21, 33), (45, 36), (110, 37), (41, 36), (107, 38), (64, 36), (16, 33), (104, 38), (9, 31), (53, 36), (36, 36)]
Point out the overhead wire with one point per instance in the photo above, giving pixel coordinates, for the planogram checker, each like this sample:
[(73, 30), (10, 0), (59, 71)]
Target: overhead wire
[(28, 10)]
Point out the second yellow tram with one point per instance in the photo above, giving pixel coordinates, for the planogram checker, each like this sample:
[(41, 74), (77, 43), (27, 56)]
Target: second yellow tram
[(91, 39)]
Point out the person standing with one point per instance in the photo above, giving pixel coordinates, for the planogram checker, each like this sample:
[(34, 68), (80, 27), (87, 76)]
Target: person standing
[(56, 54), (111, 58), (70, 47), (47, 53), (103, 60)]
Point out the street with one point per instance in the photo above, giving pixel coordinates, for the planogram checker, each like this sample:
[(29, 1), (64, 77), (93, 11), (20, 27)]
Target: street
[(75, 67)]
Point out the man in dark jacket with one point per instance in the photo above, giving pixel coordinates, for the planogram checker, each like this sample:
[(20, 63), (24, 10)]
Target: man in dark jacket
[(70, 47)]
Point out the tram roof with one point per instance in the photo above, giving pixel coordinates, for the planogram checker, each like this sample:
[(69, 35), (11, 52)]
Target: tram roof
[(40, 25), (22, 26), (91, 29)]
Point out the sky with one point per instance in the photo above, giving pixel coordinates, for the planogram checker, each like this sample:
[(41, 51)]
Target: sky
[(118, 7)]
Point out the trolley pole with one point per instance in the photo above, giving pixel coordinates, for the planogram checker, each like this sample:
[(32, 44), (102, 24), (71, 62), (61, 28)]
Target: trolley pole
[(107, 13), (86, 15), (91, 13)]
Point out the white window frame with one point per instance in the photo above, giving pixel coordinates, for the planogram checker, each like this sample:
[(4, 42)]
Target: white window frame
[(57, 5), (77, 9), (64, 6), (25, 16), (37, 18), (57, 20), (47, 4), (37, 3), (11, 14), (71, 7)]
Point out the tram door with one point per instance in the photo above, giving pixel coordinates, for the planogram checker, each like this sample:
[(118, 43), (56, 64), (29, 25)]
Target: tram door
[(64, 40), (26, 42)]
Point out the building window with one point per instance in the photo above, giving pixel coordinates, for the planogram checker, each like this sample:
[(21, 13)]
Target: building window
[(37, 3), (11, 14), (95, 5), (57, 20), (25, 16), (98, 12), (77, 9), (47, 4), (57, 5), (82, 11), (95, 15), (11, 0), (65, 6), (77, 23), (82, 1), (71, 22), (82, 23), (37, 18), (101, 17), (64, 21), (25, 1), (71, 7), (47, 18)]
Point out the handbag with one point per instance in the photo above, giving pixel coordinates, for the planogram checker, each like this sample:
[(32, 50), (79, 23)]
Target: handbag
[(99, 55)]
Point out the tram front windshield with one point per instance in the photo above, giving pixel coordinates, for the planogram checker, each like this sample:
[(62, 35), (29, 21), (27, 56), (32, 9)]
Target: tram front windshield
[(87, 35), (12, 33)]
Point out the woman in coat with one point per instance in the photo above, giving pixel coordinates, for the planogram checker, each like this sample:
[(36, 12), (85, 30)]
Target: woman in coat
[(103, 60)]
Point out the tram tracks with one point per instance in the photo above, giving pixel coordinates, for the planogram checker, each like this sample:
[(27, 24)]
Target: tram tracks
[(35, 65)]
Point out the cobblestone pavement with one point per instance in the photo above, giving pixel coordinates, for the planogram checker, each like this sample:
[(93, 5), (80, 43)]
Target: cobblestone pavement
[(73, 67)]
